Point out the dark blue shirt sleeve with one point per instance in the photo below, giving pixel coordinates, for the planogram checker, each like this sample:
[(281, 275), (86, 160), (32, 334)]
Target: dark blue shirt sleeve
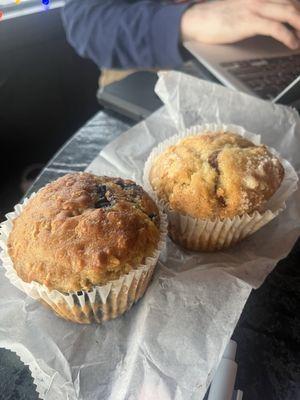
[(124, 33)]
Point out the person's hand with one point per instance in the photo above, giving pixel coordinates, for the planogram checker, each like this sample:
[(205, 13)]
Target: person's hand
[(228, 21)]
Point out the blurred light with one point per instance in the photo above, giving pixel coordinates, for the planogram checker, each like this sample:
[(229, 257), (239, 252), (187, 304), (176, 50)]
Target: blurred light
[(46, 4)]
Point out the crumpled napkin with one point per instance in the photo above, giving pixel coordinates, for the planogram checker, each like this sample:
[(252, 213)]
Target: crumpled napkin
[(167, 346)]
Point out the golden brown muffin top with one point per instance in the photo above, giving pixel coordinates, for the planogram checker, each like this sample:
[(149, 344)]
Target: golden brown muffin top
[(216, 175), (82, 230)]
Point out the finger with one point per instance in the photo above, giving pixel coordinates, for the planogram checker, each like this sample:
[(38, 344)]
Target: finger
[(282, 13), (295, 3), (278, 31)]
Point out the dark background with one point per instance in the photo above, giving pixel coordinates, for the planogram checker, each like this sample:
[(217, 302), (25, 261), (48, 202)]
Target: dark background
[(46, 93)]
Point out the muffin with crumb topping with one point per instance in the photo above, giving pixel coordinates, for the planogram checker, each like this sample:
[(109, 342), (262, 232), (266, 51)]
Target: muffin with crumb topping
[(95, 240), (214, 177)]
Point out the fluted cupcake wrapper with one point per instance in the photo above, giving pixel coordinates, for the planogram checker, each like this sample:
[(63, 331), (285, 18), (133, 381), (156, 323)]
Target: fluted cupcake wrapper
[(207, 235), (212, 235), (99, 304)]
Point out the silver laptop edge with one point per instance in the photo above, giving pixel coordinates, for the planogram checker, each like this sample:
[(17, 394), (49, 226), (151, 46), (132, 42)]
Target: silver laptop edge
[(212, 56)]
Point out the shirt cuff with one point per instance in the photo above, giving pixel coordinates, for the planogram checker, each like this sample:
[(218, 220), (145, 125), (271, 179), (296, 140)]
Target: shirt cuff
[(165, 31)]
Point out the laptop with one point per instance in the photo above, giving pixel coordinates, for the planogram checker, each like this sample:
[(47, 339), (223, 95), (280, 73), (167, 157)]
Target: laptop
[(260, 66)]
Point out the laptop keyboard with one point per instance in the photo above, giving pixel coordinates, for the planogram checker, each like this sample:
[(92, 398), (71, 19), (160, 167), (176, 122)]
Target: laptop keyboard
[(266, 77)]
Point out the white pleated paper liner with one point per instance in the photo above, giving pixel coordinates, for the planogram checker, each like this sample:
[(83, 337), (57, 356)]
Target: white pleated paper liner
[(99, 304), (211, 235)]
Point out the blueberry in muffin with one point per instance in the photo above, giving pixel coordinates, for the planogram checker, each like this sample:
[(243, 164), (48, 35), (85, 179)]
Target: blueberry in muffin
[(84, 230)]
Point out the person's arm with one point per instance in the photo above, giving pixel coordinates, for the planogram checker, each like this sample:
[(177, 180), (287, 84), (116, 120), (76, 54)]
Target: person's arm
[(124, 33)]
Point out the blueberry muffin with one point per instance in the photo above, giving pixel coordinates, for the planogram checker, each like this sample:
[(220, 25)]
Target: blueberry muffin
[(84, 231), (216, 175)]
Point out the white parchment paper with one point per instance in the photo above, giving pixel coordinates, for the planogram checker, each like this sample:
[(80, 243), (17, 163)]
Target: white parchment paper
[(168, 346)]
